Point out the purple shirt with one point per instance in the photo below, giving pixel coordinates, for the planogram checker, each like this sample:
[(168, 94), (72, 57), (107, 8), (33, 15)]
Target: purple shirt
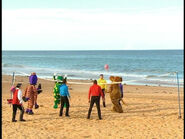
[(121, 88)]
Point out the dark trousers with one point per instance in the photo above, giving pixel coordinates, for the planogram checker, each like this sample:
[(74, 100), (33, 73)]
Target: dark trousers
[(64, 99), (103, 90), (95, 99), (15, 106)]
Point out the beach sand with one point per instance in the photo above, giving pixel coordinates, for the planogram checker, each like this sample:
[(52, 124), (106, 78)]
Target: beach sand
[(152, 113)]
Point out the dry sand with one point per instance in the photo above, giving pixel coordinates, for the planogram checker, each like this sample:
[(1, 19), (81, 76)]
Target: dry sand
[(152, 113)]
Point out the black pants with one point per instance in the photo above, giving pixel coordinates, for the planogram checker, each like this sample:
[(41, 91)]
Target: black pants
[(95, 99), (15, 106), (64, 99), (103, 90)]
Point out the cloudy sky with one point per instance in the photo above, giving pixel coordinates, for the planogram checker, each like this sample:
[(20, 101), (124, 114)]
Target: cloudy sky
[(92, 25)]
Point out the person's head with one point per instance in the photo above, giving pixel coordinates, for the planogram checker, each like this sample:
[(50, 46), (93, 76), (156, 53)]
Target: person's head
[(33, 78), (64, 81), (101, 76), (19, 85), (95, 82), (33, 73), (121, 79)]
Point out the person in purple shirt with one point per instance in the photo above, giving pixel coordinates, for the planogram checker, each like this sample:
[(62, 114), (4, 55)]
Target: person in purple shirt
[(121, 88)]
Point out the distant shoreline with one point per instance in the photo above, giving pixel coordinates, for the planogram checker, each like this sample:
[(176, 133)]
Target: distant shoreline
[(90, 81), (106, 50)]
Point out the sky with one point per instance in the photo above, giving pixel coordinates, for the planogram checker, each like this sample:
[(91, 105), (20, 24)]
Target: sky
[(92, 25)]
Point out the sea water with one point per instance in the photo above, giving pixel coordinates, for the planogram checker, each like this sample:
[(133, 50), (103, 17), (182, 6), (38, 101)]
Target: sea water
[(143, 67)]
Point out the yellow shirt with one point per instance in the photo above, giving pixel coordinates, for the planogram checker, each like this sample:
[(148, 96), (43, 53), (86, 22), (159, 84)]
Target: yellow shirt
[(100, 81)]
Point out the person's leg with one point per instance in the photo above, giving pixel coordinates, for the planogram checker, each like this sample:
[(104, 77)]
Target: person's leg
[(21, 108), (67, 106), (98, 107), (27, 110), (30, 105), (14, 113), (103, 90), (90, 108), (117, 107), (35, 100), (61, 106)]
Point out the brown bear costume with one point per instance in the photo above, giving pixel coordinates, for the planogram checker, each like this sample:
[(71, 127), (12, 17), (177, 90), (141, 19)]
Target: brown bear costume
[(115, 94)]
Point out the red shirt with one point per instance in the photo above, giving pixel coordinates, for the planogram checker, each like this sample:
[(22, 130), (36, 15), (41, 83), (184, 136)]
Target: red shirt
[(95, 90), (15, 97)]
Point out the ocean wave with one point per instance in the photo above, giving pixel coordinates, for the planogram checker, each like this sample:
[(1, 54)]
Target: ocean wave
[(87, 74), (12, 65)]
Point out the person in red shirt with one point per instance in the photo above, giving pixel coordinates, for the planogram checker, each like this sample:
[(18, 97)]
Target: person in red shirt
[(17, 102), (95, 93)]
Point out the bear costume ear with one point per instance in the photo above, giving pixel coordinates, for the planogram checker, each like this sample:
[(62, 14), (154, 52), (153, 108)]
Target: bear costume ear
[(111, 78)]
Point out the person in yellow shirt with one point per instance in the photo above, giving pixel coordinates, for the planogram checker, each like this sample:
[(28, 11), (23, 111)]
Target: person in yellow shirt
[(101, 83)]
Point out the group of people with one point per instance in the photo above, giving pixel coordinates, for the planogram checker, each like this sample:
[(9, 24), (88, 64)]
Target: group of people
[(62, 95), (29, 95)]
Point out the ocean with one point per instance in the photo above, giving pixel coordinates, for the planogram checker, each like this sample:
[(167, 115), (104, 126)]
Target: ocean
[(140, 67)]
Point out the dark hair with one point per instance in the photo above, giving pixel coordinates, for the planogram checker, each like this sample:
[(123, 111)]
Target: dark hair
[(95, 81), (64, 80), (18, 85), (101, 74)]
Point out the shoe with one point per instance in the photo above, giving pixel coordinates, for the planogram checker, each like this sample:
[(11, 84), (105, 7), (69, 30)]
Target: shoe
[(22, 120), (30, 112), (67, 116), (60, 115), (88, 117), (27, 110), (14, 120), (36, 106), (100, 118)]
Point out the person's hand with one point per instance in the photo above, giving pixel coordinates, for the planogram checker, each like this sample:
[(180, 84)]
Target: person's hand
[(103, 99), (27, 98), (88, 101), (12, 89)]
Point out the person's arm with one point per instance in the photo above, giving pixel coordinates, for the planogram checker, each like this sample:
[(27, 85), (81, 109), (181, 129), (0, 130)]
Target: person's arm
[(110, 88), (89, 94), (105, 85), (101, 93), (20, 96), (60, 90), (67, 92), (122, 91)]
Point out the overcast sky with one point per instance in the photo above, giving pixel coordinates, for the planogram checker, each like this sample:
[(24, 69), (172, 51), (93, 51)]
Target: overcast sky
[(92, 25)]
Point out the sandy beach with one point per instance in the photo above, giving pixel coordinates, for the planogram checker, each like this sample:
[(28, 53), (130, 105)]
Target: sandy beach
[(152, 113)]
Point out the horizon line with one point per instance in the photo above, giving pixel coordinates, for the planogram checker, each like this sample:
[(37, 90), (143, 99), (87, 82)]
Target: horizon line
[(99, 50)]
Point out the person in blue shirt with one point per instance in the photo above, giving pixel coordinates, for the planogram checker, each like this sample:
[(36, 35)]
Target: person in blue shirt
[(65, 96)]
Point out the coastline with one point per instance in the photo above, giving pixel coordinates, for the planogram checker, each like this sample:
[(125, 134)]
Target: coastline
[(152, 111), (80, 80)]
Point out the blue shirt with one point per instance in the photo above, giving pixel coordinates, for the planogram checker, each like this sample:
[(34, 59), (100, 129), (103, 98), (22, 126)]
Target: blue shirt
[(64, 90)]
